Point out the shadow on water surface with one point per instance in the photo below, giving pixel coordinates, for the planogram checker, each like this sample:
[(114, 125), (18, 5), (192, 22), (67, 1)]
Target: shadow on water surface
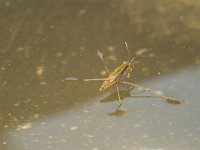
[(124, 93)]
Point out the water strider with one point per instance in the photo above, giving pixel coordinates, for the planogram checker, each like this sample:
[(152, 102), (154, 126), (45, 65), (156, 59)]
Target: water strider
[(122, 71)]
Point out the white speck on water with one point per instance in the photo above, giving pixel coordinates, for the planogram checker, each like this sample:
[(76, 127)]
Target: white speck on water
[(19, 49), (86, 111), (103, 73), (64, 140), (4, 143), (3, 68), (151, 55), (112, 57), (50, 137), (141, 51), (145, 136), (43, 83), (36, 116), (145, 69), (82, 12), (43, 123), (88, 135), (6, 126), (16, 104), (39, 71), (110, 126), (24, 126), (110, 48), (74, 128), (59, 54), (71, 78)]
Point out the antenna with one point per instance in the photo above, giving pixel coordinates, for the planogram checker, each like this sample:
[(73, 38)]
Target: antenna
[(129, 56), (101, 56)]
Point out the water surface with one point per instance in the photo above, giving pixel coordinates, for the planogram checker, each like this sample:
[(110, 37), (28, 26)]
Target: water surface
[(44, 42)]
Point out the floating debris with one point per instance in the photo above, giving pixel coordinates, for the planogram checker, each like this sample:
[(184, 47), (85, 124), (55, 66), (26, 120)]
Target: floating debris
[(74, 128), (19, 49), (103, 72), (152, 55), (145, 69), (88, 135), (82, 12), (39, 71), (110, 48), (24, 126), (4, 143), (6, 126), (141, 51), (71, 78), (59, 54), (3, 68), (63, 140), (43, 83), (50, 137), (112, 57), (36, 116)]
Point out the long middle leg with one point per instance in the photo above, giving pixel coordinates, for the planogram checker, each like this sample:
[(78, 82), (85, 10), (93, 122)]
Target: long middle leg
[(153, 92)]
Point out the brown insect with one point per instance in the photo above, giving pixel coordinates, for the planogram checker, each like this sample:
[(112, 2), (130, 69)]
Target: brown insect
[(117, 75), (122, 71)]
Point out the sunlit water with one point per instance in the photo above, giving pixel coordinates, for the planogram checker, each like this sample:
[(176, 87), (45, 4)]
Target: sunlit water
[(45, 43)]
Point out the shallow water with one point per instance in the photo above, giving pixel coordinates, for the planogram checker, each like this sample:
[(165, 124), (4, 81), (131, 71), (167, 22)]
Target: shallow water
[(43, 43)]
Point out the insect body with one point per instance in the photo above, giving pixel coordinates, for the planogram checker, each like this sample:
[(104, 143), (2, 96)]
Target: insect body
[(118, 74)]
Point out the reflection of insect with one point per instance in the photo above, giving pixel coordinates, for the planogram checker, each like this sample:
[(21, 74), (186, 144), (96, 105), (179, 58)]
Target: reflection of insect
[(118, 75)]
